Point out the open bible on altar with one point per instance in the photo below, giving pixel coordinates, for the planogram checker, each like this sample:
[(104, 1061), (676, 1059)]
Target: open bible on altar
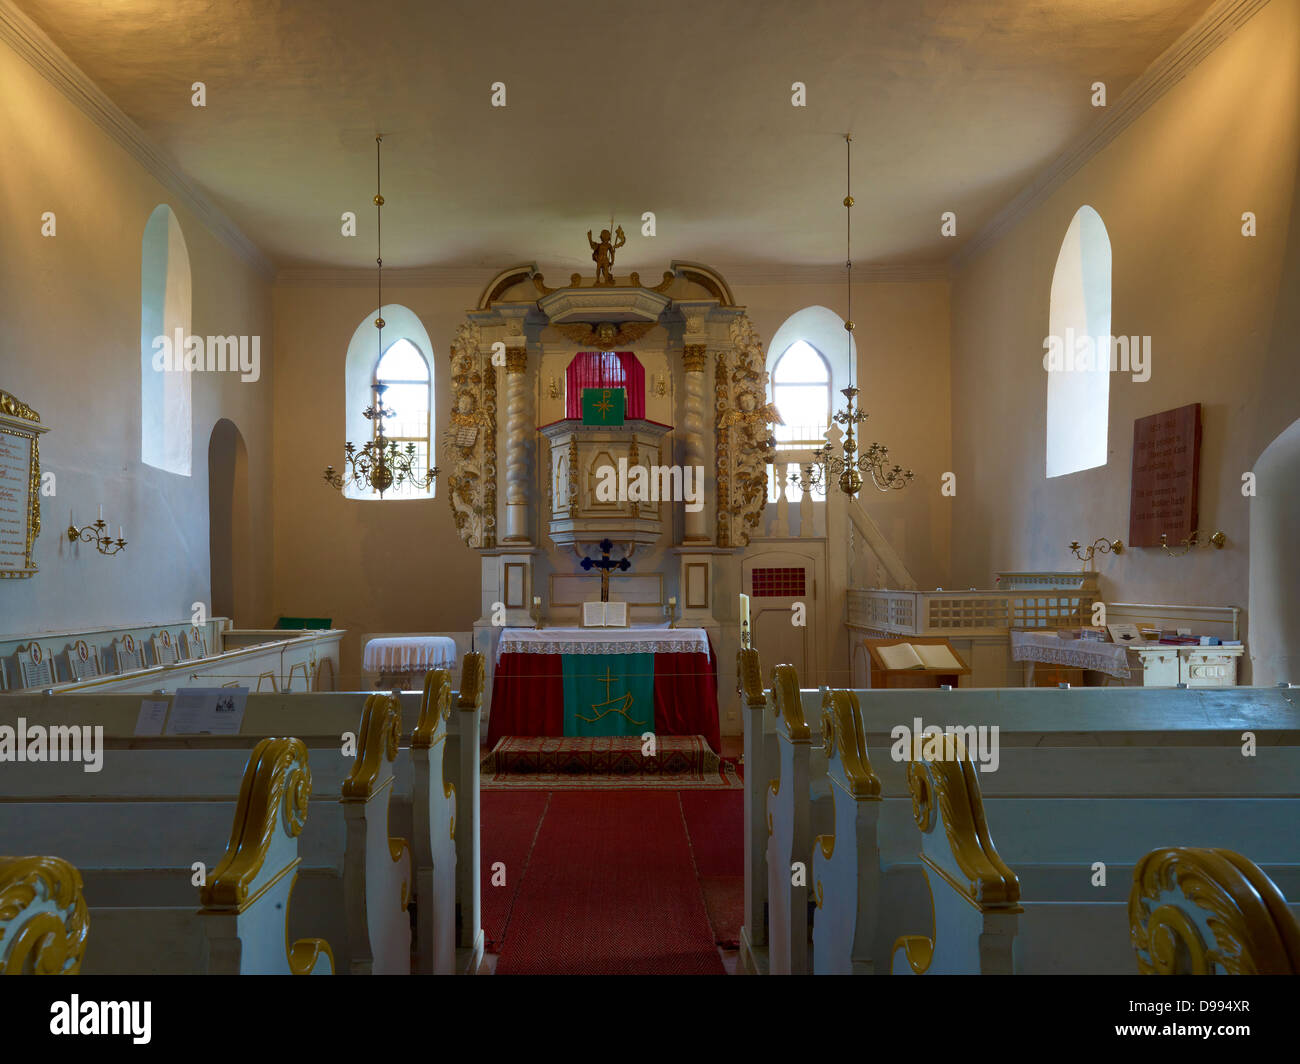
[(604, 615), (920, 656)]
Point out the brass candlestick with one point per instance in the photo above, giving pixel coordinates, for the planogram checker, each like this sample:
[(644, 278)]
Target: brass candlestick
[(1192, 542), (1101, 545)]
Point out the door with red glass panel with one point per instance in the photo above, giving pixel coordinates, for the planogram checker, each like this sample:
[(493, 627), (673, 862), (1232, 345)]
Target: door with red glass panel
[(777, 582)]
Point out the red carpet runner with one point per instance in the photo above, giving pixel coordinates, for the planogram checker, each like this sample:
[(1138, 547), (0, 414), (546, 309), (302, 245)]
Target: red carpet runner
[(610, 886)]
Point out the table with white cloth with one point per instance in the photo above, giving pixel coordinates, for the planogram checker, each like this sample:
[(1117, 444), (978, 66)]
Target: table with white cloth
[(395, 660), (1050, 648), (604, 681)]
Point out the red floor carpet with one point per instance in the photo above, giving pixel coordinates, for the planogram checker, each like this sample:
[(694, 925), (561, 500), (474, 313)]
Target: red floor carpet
[(608, 882)]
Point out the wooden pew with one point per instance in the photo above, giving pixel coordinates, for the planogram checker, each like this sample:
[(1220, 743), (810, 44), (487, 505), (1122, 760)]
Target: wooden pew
[(43, 917), (143, 767), (986, 920), (761, 765), (433, 813), (246, 899), (1207, 912), (376, 865), (798, 808), (1138, 744), (240, 925)]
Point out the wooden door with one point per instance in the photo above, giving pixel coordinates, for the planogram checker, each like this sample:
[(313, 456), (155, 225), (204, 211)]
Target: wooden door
[(777, 582)]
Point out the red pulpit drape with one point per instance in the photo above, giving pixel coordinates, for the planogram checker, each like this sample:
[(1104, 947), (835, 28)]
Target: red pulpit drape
[(604, 369)]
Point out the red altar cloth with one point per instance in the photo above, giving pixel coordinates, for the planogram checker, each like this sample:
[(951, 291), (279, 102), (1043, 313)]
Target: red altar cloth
[(528, 696)]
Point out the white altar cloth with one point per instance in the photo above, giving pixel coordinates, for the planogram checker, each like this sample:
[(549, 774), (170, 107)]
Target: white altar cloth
[(603, 641), (1049, 648), (409, 653)]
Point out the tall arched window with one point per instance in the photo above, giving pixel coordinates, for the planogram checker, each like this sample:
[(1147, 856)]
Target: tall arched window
[(1077, 350), (801, 391), (405, 366), (166, 426), (403, 374)]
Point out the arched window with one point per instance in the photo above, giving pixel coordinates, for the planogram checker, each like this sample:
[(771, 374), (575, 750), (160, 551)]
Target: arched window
[(166, 427), (403, 374), (801, 391), (1077, 351), (405, 369)]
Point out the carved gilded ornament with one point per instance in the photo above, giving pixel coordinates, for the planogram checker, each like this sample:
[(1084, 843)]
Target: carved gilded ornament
[(1180, 893), (694, 357), (516, 360), (273, 796), (471, 442), (377, 741), (744, 442), (789, 708), (435, 707), (749, 677), (471, 682), (949, 781), (605, 335), (843, 733), (43, 917)]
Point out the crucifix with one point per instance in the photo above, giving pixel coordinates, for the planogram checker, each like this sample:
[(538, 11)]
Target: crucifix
[(606, 566)]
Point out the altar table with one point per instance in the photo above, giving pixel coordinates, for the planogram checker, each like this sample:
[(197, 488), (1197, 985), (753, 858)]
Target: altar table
[(544, 681), (1049, 648), (394, 660)]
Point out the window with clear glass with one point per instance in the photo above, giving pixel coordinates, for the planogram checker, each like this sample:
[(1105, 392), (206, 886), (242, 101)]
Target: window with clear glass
[(403, 374), (801, 391)]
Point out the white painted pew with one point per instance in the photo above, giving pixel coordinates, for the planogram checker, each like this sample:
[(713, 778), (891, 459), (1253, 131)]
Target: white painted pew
[(433, 814), (798, 809), (986, 921), (246, 899), (376, 865), (761, 765), (1196, 911), (143, 767), (43, 917), (1146, 744), (145, 919)]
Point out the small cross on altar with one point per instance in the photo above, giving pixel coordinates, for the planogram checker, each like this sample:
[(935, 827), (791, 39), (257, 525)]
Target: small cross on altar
[(606, 566)]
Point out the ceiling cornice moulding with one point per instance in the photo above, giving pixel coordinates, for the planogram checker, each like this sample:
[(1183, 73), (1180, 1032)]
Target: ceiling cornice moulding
[(31, 42), (1177, 61)]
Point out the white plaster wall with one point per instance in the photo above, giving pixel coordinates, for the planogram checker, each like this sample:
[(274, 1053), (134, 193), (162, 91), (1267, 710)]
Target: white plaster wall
[(70, 348)]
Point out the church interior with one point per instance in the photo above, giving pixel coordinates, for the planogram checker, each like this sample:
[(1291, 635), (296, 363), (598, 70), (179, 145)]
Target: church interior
[(726, 489)]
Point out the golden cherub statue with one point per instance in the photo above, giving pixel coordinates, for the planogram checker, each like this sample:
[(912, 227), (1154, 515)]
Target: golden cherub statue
[(602, 254)]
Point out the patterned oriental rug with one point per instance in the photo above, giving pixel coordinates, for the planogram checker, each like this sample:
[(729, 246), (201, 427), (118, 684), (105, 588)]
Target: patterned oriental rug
[(681, 762)]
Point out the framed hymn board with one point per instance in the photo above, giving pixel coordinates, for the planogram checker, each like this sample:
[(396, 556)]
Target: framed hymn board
[(20, 485)]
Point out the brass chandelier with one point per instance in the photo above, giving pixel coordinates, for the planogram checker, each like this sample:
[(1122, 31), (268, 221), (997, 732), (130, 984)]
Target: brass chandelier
[(849, 467), (380, 465)]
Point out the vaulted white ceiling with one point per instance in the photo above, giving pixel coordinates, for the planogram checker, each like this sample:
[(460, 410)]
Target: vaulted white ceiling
[(680, 107)]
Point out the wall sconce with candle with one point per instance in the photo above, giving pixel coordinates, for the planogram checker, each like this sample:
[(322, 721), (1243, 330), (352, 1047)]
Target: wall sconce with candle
[(96, 533), (1192, 542)]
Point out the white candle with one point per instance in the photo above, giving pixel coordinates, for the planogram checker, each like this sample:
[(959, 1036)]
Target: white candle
[(120, 535), (744, 611), (672, 600), (537, 600), (101, 511)]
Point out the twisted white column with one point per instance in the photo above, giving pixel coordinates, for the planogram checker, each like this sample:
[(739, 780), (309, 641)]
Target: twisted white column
[(693, 359), (517, 453)]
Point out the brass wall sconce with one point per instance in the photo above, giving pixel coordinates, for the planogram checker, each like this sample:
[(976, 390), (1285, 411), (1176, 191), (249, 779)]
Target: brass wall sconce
[(1101, 545), (1193, 541), (96, 533), (554, 392), (661, 386)]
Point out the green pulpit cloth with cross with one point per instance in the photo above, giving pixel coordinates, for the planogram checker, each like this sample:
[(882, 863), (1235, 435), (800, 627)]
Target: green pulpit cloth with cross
[(608, 694), (603, 406)]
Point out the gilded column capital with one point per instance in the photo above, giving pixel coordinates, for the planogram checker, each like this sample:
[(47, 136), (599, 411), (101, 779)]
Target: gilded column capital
[(516, 359), (693, 357)]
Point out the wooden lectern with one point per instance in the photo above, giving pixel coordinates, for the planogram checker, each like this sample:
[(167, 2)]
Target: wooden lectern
[(881, 675)]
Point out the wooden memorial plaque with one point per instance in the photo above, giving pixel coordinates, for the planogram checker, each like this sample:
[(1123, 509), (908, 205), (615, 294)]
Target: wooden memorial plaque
[(83, 660), (20, 485), (129, 655), (1166, 473), (164, 650)]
